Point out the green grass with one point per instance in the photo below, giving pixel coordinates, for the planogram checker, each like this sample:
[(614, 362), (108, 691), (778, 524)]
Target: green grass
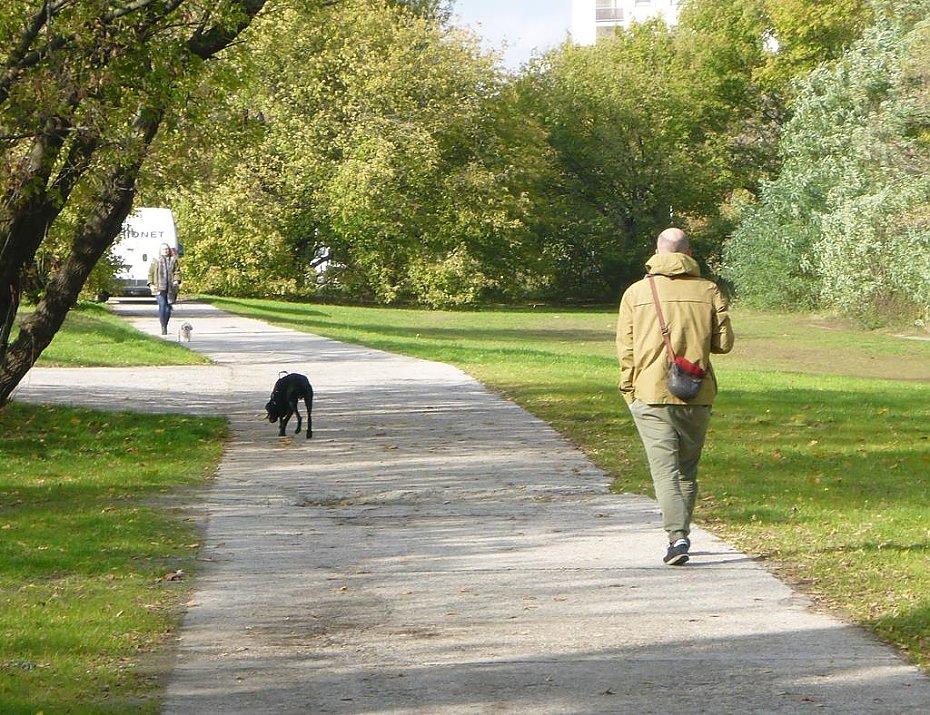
[(819, 451), (90, 526)]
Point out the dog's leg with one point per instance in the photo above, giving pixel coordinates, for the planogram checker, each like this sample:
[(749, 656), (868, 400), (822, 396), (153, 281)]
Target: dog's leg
[(308, 403), (293, 407)]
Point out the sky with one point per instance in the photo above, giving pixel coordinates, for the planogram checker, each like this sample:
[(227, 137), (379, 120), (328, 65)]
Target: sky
[(524, 25)]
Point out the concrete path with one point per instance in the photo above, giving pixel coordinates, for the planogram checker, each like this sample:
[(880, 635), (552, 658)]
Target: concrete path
[(435, 550)]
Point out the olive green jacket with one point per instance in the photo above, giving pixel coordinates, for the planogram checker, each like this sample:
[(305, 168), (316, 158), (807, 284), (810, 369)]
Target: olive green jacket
[(164, 273), (698, 325)]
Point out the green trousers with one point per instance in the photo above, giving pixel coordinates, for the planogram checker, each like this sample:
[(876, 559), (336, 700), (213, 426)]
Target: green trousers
[(673, 436)]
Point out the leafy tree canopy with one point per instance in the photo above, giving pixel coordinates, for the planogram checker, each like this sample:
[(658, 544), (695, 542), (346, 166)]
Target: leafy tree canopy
[(366, 140), (845, 223)]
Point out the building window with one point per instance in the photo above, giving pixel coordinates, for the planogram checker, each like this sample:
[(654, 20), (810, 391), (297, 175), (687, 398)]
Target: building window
[(615, 15), (607, 11)]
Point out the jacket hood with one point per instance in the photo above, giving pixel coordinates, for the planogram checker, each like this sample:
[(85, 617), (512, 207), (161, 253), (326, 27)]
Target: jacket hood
[(673, 264)]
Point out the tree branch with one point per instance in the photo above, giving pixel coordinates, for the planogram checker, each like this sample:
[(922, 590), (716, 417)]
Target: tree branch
[(206, 43)]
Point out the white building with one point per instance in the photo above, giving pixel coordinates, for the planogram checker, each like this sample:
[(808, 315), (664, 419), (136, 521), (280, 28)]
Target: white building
[(592, 19)]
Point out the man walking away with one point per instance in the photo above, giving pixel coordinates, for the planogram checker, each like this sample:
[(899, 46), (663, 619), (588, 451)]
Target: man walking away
[(672, 429)]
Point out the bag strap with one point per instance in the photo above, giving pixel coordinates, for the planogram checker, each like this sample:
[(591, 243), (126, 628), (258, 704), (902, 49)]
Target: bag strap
[(662, 325)]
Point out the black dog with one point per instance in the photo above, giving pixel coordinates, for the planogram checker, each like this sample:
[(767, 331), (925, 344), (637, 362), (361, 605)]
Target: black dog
[(287, 392)]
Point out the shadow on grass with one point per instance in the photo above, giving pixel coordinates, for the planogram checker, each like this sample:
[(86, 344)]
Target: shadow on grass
[(909, 627), (74, 482)]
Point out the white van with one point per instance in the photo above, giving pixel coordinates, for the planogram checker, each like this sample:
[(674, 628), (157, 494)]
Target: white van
[(144, 230)]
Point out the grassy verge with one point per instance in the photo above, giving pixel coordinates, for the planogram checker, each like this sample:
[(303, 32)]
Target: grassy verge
[(818, 452), (90, 526)]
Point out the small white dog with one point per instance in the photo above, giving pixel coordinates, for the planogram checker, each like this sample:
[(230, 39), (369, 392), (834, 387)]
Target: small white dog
[(184, 332)]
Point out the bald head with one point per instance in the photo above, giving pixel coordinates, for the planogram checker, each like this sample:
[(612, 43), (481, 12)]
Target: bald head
[(673, 240)]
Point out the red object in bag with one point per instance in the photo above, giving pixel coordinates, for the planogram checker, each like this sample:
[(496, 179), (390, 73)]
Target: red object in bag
[(690, 368)]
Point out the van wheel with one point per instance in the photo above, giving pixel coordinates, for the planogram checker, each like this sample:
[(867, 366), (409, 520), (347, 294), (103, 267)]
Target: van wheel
[(102, 297)]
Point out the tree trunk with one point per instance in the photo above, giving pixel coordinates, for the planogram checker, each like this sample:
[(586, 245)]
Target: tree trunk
[(90, 242), (33, 199)]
